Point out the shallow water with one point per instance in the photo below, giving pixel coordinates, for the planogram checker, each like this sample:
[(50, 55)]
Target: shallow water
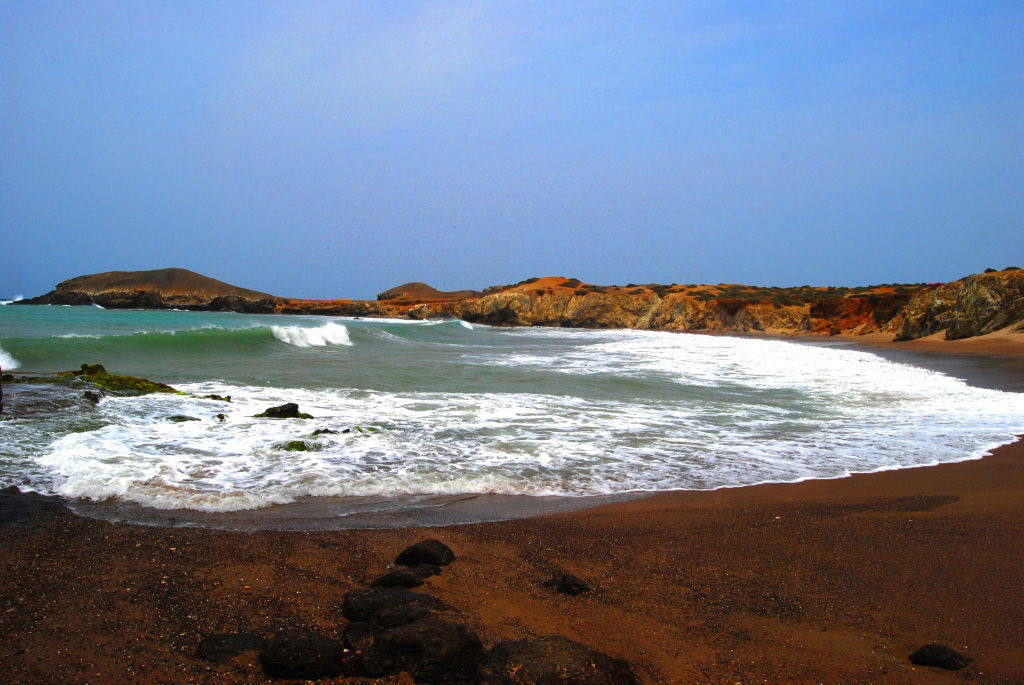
[(438, 411)]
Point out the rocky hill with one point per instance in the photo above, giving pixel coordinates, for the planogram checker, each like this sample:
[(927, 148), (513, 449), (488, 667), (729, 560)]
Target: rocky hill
[(975, 305), (156, 289)]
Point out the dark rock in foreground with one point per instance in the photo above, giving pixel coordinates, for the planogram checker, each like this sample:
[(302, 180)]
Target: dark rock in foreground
[(553, 660), (226, 645), (181, 418), (426, 552), (431, 650), (302, 655), (398, 579), (359, 634), (389, 607), (17, 507), (289, 410), (567, 584), (939, 656), (424, 570)]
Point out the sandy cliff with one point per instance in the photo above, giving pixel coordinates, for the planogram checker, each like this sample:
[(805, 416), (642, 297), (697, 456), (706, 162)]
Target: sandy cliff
[(972, 306)]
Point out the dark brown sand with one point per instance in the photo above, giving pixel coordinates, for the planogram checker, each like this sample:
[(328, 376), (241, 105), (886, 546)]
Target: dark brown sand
[(831, 581)]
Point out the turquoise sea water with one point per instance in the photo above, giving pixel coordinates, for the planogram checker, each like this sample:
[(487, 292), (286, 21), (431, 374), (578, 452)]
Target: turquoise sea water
[(450, 409)]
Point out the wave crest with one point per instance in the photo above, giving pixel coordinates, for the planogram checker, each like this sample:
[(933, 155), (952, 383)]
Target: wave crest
[(328, 334), (7, 361)]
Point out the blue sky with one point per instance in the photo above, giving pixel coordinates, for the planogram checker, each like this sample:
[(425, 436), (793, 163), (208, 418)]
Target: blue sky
[(334, 149)]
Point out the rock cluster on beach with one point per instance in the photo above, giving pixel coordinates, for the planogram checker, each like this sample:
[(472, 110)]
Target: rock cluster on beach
[(393, 630)]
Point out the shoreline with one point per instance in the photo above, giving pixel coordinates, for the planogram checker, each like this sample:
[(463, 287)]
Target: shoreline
[(819, 581), (827, 580)]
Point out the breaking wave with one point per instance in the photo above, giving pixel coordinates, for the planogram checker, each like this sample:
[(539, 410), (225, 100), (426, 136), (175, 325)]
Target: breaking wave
[(328, 334)]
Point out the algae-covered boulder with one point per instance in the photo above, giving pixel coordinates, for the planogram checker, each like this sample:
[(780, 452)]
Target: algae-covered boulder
[(115, 384), (296, 446)]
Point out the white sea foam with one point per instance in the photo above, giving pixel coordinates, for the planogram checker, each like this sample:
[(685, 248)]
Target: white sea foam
[(7, 361), (16, 298), (328, 334), (723, 412)]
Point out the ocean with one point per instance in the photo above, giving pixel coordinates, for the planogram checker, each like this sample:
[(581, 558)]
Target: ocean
[(444, 421)]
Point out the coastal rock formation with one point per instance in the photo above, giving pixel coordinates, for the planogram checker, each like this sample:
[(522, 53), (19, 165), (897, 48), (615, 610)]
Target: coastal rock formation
[(975, 305)]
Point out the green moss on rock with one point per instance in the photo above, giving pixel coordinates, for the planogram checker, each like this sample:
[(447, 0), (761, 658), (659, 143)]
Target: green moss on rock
[(295, 446), (113, 383)]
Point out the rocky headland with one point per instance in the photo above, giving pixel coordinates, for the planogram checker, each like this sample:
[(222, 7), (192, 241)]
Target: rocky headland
[(976, 305)]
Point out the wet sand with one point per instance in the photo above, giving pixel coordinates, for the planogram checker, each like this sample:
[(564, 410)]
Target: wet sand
[(832, 581)]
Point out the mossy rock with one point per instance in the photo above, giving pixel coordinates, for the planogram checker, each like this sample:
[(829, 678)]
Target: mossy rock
[(181, 418), (365, 430), (121, 385), (297, 446)]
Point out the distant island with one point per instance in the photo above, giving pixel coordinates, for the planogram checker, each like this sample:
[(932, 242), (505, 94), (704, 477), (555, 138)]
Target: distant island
[(976, 305)]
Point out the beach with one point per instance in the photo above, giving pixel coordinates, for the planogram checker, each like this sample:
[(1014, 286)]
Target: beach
[(832, 581)]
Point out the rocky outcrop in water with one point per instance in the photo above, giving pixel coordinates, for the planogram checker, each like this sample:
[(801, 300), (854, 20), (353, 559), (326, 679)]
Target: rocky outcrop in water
[(975, 305)]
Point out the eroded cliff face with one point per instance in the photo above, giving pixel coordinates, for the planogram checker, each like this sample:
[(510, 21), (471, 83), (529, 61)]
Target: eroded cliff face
[(673, 311), (972, 306), (976, 305)]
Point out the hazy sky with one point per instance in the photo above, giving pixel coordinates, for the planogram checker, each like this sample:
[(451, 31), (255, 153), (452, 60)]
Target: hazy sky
[(334, 149)]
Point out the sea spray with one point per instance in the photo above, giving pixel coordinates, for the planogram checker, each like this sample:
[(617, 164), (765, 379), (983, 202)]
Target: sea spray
[(7, 362)]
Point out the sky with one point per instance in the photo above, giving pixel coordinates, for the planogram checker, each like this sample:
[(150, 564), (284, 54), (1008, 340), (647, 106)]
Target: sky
[(335, 149)]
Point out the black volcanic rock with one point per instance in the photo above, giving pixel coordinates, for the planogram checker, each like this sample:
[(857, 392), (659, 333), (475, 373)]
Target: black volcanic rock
[(426, 552), (939, 656), (567, 584), (424, 570), (359, 634), (289, 410), (302, 655), (552, 660), (18, 507), (389, 605), (432, 651)]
